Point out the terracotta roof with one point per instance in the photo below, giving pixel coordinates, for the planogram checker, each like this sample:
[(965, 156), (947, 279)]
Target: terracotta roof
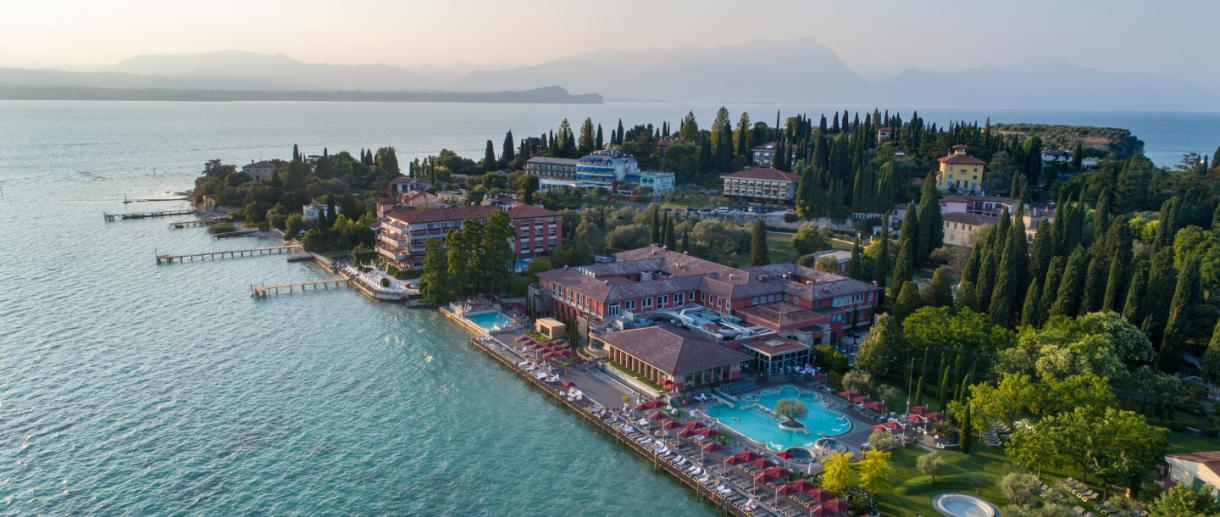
[(763, 173), (675, 352), (1209, 459), (433, 215), (968, 218), (961, 159), (527, 211)]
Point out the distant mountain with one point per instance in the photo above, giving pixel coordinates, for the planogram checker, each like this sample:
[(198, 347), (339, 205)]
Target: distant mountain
[(1044, 84), (767, 71), (546, 95), (239, 67)]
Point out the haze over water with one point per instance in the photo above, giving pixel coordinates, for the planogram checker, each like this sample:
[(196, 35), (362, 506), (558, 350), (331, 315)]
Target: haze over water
[(131, 388)]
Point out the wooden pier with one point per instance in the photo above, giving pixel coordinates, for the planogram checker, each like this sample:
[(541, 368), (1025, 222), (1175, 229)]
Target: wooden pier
[(153, 199), (178, 225), (263, 292), (144, 215), (214, 255)]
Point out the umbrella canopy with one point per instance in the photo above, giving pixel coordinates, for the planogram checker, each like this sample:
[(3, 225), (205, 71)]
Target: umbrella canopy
[(915, 419), (934, 416), (693, 424), (763, 477), (686, 433), (779, 472), (878, 428), (918, 410), (860, 399), (658, 415), (875, 406), (819, 494), (785, 454), (763, 463), (745, 456), (849, 394), (800, 485), (568, 384), (670, 424), (835, 507), (711, 446), (651, 404)]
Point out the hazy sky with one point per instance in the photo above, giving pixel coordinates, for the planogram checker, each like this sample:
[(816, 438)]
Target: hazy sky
[(1172, 38)]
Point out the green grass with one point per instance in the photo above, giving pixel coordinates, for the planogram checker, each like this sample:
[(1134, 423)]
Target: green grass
[(1191, 442), (977, 473), (779, 248)]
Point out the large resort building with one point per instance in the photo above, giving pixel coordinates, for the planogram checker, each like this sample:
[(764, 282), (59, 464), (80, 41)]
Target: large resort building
[(401, 234), (726, 304), (761, 184), (672, 358), (607, 169)]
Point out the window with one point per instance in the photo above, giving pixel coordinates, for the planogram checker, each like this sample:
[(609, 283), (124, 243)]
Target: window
[(663, 300), (678, 299), (648, 302), (630, 305), (614, 311)]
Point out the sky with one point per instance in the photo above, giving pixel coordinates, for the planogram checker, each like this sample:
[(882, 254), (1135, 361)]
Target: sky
[(874, 37)]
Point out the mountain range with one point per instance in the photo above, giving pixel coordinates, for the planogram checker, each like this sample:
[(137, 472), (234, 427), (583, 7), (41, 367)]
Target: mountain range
[(791, 71)]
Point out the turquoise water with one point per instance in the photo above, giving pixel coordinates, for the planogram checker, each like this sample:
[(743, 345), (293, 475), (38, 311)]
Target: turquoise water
[(490, 320), (763, 427), (128, 388)]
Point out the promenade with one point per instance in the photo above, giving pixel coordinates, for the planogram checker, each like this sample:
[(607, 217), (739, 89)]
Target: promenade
[(739, 478)]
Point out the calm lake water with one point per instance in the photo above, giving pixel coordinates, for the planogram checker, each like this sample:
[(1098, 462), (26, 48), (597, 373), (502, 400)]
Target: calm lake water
[(128, 388)]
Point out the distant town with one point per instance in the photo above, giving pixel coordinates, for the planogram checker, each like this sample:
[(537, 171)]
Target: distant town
[(860, 314)]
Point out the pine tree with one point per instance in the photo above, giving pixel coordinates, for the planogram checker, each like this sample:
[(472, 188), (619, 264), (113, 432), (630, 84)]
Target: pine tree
[(1067, 301), (931, 231), (758, 244), (1186, 296)]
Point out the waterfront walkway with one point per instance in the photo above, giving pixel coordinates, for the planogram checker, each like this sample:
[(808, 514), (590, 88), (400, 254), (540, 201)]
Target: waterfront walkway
[(737, 490)]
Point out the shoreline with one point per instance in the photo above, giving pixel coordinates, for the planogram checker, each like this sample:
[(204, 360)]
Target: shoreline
[(702, 492)]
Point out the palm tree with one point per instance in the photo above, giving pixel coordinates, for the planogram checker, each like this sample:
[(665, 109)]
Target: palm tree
[(791, 409)]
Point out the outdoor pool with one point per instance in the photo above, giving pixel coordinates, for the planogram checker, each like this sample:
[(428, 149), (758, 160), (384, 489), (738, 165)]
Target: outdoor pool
[(762, 427), (961, 505), (490, 320)]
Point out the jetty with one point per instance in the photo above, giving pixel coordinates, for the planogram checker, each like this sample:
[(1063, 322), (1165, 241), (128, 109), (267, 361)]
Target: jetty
[(178, 225), (235, 233), (264, 291), (153, 199), (214, 255), (144, 215)]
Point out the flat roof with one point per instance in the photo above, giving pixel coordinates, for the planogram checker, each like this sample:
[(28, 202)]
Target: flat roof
[(772, 346)]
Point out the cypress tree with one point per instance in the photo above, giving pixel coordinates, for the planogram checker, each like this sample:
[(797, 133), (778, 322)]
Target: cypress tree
[(1211, 356), (1017, 249), (1161, 282), (943, 388), (1067, 302), (993, 253), (904, 266), (1119, 243), (940, 289), (1095, 283), (508, 153), (1031, 309), (598, 143), (686, 240), (1165, 229), (1050, 286), (1001, 307), (1133, 309), (489, 157), (654, 230), (931, 233), (758, 244), (668, 233), (966, 291), (856, 268), (1186, 296), (881, 269), (908, 300)]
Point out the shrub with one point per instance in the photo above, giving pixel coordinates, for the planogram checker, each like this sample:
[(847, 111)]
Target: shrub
[(221, 228)]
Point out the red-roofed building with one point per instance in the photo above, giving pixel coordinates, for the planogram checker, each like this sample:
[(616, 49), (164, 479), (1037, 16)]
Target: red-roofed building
[(960, 172), (783, 299), (761, 184), (402, 233)]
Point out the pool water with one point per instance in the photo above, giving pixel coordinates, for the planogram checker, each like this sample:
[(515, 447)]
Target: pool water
[(959, 505), (490, 320), (762, 427)]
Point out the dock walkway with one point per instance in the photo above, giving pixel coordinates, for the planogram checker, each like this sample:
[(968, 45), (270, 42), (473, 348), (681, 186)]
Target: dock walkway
[(108, 217), (214, 255), (264, 291)]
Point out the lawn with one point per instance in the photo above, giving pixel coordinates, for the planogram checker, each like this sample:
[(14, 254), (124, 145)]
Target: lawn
[(977, 473)]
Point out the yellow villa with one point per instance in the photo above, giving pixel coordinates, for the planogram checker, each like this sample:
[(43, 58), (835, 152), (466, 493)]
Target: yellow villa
[(960, 172)]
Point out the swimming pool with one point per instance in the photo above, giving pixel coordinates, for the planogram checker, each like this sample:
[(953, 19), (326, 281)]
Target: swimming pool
[(748, 420), (490, 320)]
